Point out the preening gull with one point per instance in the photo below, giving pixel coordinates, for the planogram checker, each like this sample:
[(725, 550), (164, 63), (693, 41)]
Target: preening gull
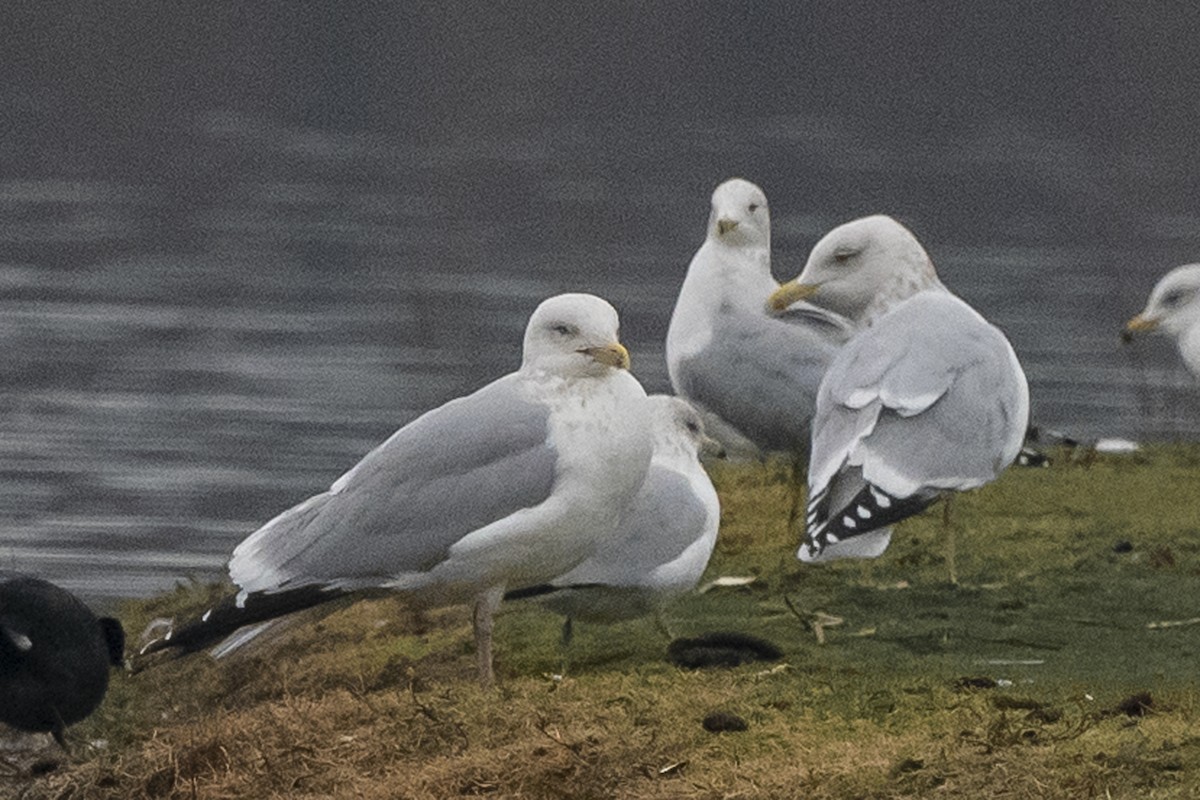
[(755, 372), (1174, 308), (665, 537), (54, 655), (510, 486), (927, 398)]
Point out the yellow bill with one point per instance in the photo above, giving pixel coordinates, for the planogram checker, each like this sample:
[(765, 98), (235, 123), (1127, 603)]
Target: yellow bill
[(790, 293), (1140, 324), (612, 355)]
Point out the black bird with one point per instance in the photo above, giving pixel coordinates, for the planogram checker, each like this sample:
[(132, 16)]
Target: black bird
[(54, 655)]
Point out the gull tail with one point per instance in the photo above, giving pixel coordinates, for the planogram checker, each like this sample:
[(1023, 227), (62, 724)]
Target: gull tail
[(230, 616)]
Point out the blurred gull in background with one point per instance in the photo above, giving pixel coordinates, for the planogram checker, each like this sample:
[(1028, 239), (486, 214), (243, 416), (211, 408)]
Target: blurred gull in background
[(757, 374)]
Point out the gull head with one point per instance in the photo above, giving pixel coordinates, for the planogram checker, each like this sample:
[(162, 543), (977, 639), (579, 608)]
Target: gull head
[(739, 217), (574, 335), (679, 429), (860, 267), (1174, 304)]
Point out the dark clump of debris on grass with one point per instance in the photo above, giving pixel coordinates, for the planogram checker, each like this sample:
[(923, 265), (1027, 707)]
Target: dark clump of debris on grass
[(1059, 666)]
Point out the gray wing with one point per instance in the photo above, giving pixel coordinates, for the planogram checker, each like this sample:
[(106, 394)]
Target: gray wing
[(662, 521), (761, 374), (453, 470), (930, 397)]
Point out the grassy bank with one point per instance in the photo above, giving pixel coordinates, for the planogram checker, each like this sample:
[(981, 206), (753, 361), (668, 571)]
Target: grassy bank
[(1038, 676)]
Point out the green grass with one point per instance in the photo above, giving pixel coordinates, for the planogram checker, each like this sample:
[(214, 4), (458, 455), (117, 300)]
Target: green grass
[(374, 701)]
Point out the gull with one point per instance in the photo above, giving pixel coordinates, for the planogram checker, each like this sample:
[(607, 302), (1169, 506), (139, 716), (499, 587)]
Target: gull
[(1174, 308), (665, 537), (754, 373), (927, 399), (510, 486), (54, 655)]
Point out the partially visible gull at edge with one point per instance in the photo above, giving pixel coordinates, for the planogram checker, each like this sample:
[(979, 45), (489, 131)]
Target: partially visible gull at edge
[(510, 486), (927, 398), (755, 373), (1174, 308), (665, 538)]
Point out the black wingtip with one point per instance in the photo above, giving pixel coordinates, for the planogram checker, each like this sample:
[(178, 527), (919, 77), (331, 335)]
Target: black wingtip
[(540, 590), (228, 616), (543, 589), (869, 510)]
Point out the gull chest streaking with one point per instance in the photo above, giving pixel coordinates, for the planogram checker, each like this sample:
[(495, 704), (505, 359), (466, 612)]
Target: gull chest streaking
[(664, 540), (927, 398), (512, 485), (1174, 308), (54, 655), (754, 372)]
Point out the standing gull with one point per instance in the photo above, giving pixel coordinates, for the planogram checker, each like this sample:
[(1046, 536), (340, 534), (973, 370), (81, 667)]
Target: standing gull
[(755, 372), (926, 399), (665, 537), (1174, 307), (510, 486)]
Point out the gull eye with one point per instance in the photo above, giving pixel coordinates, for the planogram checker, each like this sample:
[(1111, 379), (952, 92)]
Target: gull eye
[(844, 254), (562, 329), (692, 426), (753, 207), (1174, 297)]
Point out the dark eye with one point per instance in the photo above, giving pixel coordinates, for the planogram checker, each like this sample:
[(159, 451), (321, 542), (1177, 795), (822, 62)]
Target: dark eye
[(692, 426), (1173, 298), (753, 207), (844, 255), (563, 329)]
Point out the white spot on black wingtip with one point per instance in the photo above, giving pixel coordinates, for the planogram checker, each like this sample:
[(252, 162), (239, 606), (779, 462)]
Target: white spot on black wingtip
[(206, 615), (881, 499), (849, 522), (829, 539), (863, 512)]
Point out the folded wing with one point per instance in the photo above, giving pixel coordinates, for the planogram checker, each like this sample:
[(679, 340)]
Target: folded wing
[(458, 468)]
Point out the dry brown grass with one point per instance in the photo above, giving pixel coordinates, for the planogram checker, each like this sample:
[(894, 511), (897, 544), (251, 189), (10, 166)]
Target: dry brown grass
[(644, 740), (376, 702)]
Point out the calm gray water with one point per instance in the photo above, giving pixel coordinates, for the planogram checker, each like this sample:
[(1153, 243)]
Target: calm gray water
[(239, 247)]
